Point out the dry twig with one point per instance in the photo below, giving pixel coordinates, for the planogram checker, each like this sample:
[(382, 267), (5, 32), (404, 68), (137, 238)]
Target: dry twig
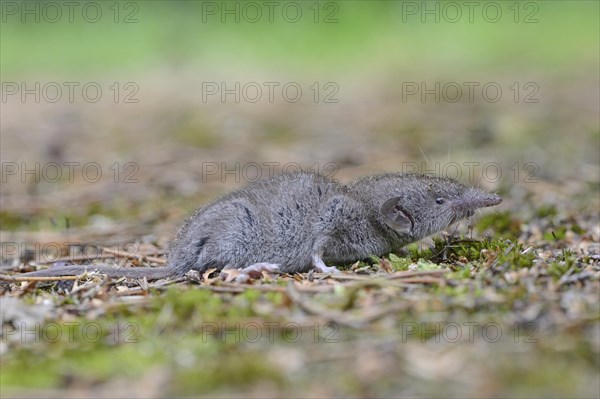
[(6, 277)]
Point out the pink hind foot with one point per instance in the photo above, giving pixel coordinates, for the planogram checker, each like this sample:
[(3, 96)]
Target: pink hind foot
[(321, 267), (254, 271)]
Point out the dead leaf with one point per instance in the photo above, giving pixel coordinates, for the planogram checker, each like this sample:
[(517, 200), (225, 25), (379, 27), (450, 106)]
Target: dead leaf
[(206, 276), (386, 265)]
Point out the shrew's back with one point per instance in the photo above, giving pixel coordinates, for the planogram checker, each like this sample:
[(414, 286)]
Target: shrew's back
[(268, 221)]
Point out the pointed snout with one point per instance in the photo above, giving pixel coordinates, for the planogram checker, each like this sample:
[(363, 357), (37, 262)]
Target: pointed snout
[(484, 200), (475, 198)]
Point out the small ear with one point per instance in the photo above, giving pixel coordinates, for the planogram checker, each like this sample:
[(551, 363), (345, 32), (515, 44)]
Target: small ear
[(395, 216)]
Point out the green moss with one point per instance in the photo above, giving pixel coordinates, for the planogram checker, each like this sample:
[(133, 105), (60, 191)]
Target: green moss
[(423, 265), (79, 350), (575, 228), (556, 234), (545, 211), (277, 133), (515, 255), (502, 223), (416, 252), (241, 370), (557, 269), (12, 221), (398, 263), (197, 135), (36, 376), (277, 298)]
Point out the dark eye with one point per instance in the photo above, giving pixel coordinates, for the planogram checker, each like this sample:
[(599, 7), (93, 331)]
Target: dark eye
[(439, 200)]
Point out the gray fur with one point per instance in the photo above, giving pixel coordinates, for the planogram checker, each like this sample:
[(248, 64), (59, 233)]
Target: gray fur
[(299, 220)]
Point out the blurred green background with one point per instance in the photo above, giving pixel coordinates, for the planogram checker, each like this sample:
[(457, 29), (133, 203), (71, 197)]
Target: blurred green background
[(348, 36)]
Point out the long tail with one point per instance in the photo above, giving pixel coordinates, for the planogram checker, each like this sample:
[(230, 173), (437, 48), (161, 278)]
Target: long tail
[(151, 273)]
